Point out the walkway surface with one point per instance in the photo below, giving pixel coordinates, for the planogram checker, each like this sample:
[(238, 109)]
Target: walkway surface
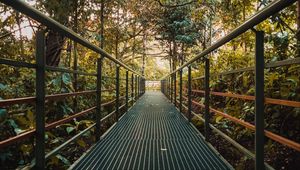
[(152, 135)]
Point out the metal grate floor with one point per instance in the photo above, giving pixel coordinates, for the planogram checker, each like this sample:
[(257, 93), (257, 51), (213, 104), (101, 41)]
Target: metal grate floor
[(153, 135)]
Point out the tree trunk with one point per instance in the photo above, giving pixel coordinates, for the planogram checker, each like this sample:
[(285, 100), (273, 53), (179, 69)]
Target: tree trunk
[(102, 24), (298, 29), (54, 45)]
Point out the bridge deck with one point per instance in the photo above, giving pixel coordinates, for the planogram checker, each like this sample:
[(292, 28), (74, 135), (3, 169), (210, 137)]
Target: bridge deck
[(152, 135)]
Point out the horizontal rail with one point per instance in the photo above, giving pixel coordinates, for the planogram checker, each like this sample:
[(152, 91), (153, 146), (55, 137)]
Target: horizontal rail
[(228, 139), (37, 15), (30, 133), (257, 18), (64, 70), (273, 136), (252, 98), (9, 102), (69, 118), (16, 63), (69, 141), (78, 135), (268, 65)]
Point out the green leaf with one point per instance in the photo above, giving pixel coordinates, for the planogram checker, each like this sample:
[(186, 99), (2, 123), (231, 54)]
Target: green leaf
[(63, 159), (66, 78), (70, 129), (2, 86), (3, 113), (56, 82)]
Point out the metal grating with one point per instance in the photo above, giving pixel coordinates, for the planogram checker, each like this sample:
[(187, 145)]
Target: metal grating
[(152, 135)]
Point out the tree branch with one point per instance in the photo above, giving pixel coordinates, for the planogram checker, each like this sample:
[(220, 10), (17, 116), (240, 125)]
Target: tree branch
[(175, 6)]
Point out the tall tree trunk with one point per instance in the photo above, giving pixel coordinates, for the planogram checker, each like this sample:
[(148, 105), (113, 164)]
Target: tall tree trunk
[(134, 42), (102, 25), (117, 34), (75, 64), (54, 45), (144, 55), (18, 18), (298, 29)]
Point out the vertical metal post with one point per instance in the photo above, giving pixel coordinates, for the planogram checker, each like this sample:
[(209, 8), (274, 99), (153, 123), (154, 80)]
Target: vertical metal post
[(207, 90), (175, 93), (132, 88), (190, 93), (126, 91), (75, 83), (139, 86), (180, 91), (40, 100), (117, 91), (171, 88), (135, 87), (259, 100), (98, 98)]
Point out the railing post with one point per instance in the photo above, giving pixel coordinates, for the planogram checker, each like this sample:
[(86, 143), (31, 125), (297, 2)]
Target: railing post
[(207, 90), (135, 87), (259, 100), (180, 91), (126, 91), (132, 88), (171, 84), (175, 93), (98, 98), (139, 86), (189, 92), (40, 101), (117, 91)]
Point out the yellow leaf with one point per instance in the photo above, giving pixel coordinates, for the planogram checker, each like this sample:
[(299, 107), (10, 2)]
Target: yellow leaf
[(218, 119), (54, 160), (30, 117), (81, 143)]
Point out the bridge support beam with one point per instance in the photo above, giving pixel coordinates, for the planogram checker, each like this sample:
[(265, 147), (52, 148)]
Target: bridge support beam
[(175, 92), (207, 90), (189, 92), (126, 92), (40, 101), (180, 91), (98, 98), (117, 91), (259, 100), (132, 89)]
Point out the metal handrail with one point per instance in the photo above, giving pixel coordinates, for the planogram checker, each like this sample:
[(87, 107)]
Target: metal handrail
[(257, 18), (37, 15)]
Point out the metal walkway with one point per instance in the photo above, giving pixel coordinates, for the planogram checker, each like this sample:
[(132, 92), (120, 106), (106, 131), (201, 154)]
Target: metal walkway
[(152, 135)]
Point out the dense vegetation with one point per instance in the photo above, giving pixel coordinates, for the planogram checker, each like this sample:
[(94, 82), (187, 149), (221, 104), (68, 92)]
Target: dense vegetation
[(153, 37)]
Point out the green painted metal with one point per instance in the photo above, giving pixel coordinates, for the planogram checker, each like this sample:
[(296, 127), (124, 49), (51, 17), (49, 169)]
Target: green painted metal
[(40, 100), (259, 100), (98, 98), (207, 90), (190, 93), (117, 92)]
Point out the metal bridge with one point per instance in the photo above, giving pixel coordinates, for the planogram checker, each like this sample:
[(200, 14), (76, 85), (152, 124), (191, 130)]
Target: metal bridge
[(152, 135), (148, 132)]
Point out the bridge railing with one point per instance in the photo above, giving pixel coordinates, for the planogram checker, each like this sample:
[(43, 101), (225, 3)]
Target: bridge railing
[(133, 87), (169, 88)]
